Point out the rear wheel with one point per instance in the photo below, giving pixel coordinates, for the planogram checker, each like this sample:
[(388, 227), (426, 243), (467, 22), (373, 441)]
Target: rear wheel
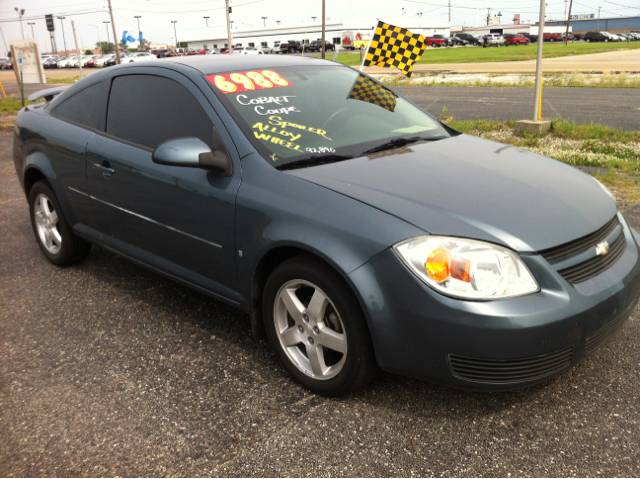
[(317, 327), (54, 235)]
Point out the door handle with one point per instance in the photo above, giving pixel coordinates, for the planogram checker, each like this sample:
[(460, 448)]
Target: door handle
[(107, 171)]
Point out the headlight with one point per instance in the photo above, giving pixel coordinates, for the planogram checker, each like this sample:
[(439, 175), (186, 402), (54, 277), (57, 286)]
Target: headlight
[(467, 269), (606, 190)]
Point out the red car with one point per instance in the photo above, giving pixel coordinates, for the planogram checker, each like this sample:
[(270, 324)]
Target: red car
[(7, 65), (552, 37), (91, 63), (515, 39), (437, 41), (224, 50)]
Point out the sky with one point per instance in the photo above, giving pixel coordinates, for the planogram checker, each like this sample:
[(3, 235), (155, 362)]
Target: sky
[(157, 15)]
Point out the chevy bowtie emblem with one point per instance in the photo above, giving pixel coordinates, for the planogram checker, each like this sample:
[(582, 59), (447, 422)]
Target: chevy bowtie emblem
[(602, 248)]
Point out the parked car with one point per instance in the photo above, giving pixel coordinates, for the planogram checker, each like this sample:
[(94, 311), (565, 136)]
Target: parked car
[(100, 62), (64, 61), (224, 50), (552, 37), (515, 39), (469, 38), (316, 46), (165, 53), (87, 58), (290, 47), (7, 65), (138, 57), (530, 37), (493, 39), (322, 229), (458, 41), (634, 36), (213, 51), (246, 51), (596, 37), (436, 41), (4, 60), (112, 61)]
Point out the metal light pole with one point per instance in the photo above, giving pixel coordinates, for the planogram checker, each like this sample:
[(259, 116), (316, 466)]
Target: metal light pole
[(207, 20), (138, 17), (314, 19), (499, 17), (228, 10), (175, 33), (64, 40), (324, 16), (599, 8), (264, 19), (99, 42), (537, 107), (20, 14), (33, 35), (278, 22)]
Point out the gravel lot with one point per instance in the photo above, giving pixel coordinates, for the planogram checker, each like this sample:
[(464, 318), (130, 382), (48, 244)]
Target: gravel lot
[(107, 369)]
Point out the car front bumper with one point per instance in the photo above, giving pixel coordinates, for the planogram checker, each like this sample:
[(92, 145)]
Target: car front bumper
[(494, 345)]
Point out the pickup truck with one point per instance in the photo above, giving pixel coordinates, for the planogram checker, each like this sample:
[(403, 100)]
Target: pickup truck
[(492, 39), (289, 47), (552, 37), (515, 39), (437, 41)]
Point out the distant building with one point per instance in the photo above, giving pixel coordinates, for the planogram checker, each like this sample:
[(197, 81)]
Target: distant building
[(509, 28), (335, 31), (607, 24)]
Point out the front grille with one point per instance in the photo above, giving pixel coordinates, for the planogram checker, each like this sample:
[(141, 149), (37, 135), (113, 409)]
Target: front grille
[(602, 336), (573, 247), (510, 370), (596, 265)]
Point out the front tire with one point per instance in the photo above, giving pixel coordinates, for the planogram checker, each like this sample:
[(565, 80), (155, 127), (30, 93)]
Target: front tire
[(317, 327), (54, 235)]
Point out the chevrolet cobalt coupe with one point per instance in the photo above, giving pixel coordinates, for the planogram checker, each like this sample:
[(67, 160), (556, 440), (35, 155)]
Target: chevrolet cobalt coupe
[(358, 231)]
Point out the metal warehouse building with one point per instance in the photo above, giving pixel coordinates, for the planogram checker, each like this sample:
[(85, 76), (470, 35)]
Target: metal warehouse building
[(610, 24), (336, 30)]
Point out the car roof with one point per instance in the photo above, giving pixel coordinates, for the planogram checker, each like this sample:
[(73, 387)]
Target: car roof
[(208, 64)]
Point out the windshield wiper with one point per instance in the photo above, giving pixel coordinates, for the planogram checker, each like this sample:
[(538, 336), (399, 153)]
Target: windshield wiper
[(397, 142), (313, 160)]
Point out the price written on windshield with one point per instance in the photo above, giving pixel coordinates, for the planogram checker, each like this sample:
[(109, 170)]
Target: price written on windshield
[(248, 81), (322, 149)]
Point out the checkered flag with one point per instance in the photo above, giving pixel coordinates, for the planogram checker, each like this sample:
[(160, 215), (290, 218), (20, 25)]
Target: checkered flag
[(364, 89), (395, 47)]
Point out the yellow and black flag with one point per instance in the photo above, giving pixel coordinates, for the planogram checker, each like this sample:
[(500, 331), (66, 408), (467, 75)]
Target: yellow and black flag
[(395, 47), (365, 89)]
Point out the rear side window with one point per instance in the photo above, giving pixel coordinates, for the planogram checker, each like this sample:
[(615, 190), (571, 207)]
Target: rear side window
[(79, 108), (147, 110)]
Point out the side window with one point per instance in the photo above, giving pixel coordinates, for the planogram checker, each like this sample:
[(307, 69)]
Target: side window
[(148, 109), (79, 107)]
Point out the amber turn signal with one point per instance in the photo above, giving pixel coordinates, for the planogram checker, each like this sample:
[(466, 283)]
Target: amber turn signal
[(460, 269), (438, 264)]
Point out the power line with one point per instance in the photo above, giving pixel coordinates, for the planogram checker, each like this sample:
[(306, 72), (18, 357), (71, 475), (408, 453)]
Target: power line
[(186, 11), (72, 14)]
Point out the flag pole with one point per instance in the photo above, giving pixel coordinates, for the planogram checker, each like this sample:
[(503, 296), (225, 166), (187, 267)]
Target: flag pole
[(364, 58), (537, 107)]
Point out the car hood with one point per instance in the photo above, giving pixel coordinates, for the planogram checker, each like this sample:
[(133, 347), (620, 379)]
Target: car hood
[(469, 187)]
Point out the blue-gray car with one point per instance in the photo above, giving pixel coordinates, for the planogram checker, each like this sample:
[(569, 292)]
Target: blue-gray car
[(359, 232)]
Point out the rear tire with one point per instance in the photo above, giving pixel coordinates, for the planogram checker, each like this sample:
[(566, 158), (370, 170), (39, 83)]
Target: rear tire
[(53, 233), (317, 327)]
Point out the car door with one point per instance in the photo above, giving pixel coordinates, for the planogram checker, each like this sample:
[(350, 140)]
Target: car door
[(176, 219)]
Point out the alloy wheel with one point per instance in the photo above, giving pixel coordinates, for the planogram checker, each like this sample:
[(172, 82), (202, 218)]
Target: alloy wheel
[(47, 224), (310, 329)]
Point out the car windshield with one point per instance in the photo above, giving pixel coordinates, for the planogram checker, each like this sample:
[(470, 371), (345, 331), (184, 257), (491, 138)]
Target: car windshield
[(303, 114)]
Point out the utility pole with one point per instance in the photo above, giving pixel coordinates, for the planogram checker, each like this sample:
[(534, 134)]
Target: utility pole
[(566, 35), (488, 14), (206, 19), (115, 37), (33, 35), (324, 16), (599, 8), (138, 17), (449, 12), (228, 10), (174, 31), (537, 107), (20, 15), (264, 19), (75, 39), (64, 40)]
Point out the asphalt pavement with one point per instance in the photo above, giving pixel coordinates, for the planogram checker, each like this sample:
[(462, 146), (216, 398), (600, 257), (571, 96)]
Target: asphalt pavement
[(107, 369), (615, 107)]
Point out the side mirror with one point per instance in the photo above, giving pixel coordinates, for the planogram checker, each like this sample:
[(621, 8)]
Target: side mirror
[(192, 153)]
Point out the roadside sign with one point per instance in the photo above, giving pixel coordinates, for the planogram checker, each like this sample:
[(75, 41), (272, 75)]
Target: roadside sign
[(50, 25)]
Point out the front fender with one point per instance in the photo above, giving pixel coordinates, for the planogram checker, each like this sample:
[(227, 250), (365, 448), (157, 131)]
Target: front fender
[(276, 209)]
